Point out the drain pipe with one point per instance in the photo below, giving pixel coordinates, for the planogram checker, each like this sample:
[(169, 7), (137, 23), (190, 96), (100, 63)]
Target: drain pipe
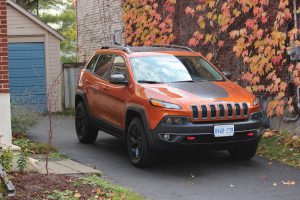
[(294, 119)]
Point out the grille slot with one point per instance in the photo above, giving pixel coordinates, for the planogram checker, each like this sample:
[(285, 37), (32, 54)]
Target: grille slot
[(245, 107), (204, 111), (222, 111), (195, 112), (229, 106), (237, 109), (213, 111)]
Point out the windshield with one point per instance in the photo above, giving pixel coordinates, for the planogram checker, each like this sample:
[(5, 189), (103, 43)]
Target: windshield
[(170, 69)]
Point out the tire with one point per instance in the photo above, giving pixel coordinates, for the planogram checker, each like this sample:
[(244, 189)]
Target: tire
[(243, 152), (140, 154), (86, 133)]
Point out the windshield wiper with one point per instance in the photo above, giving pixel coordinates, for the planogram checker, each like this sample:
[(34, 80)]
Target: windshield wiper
[(150, 82), (189, 81)]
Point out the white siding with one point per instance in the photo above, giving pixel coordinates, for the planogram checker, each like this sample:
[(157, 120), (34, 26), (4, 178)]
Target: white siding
[(23, 29)]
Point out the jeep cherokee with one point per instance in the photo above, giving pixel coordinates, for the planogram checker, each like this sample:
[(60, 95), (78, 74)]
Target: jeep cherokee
[(164, 97)]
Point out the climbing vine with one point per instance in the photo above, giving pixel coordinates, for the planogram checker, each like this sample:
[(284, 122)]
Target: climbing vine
[(260, 33)]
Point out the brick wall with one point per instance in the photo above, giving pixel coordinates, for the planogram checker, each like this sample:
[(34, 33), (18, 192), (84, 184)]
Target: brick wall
[(4, 81), (97, 22)]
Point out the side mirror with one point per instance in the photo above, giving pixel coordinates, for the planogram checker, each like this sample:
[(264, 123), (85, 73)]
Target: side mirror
[(227, 74), (118, 79)]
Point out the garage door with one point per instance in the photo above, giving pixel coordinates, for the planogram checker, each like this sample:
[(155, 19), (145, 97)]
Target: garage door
[(27, 75)]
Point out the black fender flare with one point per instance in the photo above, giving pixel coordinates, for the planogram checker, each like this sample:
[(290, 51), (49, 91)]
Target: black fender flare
[(143, 114), (82, 95)]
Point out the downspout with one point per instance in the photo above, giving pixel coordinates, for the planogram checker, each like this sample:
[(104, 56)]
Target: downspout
[(293, 119)]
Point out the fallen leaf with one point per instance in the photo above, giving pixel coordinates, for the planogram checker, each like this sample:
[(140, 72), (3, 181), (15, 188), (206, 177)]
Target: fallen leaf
[(77, 195), (268, 134), (289, 182)]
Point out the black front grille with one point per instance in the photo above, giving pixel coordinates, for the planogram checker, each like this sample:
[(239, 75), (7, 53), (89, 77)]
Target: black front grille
[(195, 112), (213, 111), (204, 111), (237, 109), (234, 111), (229, 106)]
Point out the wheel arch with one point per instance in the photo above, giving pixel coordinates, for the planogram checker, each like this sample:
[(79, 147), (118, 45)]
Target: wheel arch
[(133, 111)]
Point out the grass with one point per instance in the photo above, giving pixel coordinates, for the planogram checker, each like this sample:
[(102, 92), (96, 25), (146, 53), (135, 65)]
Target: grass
[(67, 113), (108, 190), (281, 146)]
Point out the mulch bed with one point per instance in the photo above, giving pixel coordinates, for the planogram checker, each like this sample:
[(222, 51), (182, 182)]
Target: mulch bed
[(38, 186)]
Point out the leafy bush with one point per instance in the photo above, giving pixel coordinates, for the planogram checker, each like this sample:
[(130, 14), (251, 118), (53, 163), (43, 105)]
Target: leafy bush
[(22, 120), (33, 148), (6, 159), (23, 160)]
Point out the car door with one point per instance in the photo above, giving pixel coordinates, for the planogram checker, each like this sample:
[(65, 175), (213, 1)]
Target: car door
[(115, 95), (88, 80), (101, 71)]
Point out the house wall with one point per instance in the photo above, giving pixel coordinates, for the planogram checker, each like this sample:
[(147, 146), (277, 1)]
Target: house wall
[(97, 22), (23, 29), (5, 125)]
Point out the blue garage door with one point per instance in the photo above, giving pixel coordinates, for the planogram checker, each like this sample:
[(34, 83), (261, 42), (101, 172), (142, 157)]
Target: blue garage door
[(27, 75)]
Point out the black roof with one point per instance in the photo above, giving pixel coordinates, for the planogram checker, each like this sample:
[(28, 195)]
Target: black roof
[(129, 49)]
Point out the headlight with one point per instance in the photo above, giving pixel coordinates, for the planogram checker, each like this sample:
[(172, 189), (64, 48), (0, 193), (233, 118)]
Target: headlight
[(164, 104), (256, 101)]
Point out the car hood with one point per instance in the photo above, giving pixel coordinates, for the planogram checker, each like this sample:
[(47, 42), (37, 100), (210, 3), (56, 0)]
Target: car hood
[(197, 92)]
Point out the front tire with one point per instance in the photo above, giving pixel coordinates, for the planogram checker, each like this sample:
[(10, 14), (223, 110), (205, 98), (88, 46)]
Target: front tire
[(140, 154), (86, 133), (243, 152)]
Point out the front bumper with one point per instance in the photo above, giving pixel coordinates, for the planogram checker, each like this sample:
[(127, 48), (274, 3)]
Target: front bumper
[(203, 134)]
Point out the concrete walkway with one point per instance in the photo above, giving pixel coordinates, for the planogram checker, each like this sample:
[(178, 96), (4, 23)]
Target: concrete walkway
[(65, 167)]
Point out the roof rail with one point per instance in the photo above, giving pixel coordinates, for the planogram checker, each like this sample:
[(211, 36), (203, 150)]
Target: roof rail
[(173, 46), (126, 49)]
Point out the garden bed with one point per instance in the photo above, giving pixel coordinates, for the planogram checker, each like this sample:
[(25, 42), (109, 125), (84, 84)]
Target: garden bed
[(61, 187)]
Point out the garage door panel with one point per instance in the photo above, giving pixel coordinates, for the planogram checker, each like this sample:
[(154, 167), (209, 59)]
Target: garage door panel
[(27, 74), (25, 46)]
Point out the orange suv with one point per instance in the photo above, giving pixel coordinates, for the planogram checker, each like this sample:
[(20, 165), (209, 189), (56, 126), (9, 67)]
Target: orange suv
[(164, 97)]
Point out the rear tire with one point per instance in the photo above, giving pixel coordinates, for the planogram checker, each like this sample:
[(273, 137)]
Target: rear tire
[(140, 153), (85, 131), (243, 152)]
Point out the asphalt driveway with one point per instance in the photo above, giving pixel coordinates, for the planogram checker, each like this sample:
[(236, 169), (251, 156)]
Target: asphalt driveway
[(186, 176)]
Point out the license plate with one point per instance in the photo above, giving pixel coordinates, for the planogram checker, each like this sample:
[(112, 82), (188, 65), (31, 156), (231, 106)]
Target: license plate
[(224, 131)]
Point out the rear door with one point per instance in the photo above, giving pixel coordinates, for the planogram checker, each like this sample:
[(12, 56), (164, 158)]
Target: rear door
[(100, 72)]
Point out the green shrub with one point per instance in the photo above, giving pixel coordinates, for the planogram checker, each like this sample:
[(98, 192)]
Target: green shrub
[(23, 160), (22, 120), (33, 148), (6, 159)]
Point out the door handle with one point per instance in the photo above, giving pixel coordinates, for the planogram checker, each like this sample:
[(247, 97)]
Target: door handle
[(106, 88)]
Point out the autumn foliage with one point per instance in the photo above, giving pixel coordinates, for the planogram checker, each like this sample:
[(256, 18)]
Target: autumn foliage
[(260, 36)]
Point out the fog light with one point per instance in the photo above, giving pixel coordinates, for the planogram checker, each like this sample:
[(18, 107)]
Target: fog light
[(166, 137), (176, 121)]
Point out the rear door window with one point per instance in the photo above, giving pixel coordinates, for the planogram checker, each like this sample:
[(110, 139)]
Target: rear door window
[(102, 66), (92, 63)]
